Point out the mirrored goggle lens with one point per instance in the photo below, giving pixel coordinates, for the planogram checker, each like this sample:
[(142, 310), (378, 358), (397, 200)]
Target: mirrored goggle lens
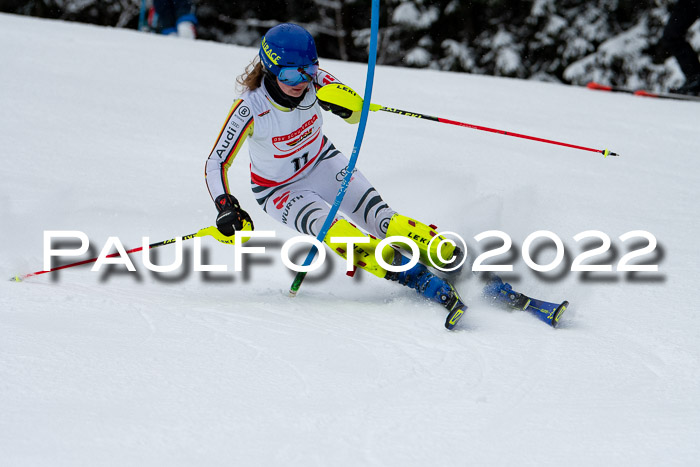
[(292, 76)]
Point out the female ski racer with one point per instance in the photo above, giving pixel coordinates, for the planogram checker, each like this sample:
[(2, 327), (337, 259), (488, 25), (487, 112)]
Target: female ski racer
[(295, 170)]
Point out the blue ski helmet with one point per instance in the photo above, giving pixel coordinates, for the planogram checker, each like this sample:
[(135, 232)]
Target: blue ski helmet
[(287, 45)]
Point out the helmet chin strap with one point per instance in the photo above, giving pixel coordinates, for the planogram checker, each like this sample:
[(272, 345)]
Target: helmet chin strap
[(307, 107), (280, 97)]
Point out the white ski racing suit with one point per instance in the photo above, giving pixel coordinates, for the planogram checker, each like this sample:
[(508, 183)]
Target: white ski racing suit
[(295, 171)]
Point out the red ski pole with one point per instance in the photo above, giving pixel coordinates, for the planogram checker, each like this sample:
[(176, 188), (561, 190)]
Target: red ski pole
[(213, 231), (375, 107), (345, 97)]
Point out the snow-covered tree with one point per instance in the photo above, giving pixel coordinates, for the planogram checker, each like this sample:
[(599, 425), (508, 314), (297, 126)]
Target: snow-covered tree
[(573, 41)]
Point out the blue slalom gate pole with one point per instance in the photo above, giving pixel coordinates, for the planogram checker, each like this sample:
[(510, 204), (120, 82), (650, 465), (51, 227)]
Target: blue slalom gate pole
[(374, 30)]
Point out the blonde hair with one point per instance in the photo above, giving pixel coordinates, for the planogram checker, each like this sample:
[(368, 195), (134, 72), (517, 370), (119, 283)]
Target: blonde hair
[(251, 79)]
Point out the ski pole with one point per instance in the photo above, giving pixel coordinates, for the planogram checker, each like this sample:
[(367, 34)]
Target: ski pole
[(376, 107), (212, 231), (374, 32), (343, 96)]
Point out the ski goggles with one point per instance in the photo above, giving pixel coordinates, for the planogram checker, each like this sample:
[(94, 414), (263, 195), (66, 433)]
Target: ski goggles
[(291, 75)]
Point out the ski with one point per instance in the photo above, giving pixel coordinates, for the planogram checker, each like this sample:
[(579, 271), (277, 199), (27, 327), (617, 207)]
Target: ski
[(640, 92), (548, 312), (455, 309), (503, 293)]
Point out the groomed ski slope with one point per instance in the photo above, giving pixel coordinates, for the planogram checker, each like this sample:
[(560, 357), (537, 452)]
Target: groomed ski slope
[(106, 131)]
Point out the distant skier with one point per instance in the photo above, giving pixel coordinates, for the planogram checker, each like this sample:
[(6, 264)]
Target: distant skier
[(176, 17), (296, 171), (683, 15)]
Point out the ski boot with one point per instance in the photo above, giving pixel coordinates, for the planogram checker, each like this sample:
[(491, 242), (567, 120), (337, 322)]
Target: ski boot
[(432, 287), (503, 293), (458, 259)]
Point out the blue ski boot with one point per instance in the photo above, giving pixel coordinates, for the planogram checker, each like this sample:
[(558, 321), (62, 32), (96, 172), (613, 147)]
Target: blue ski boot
[(503, 292), (430, 286), (458, 258)]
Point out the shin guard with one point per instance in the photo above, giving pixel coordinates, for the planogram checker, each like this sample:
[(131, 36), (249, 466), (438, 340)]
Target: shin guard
[(422, 234), (364, 253)]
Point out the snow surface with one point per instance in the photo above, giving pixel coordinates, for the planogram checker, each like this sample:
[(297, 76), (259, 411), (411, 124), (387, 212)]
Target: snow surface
[(106, 131)]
